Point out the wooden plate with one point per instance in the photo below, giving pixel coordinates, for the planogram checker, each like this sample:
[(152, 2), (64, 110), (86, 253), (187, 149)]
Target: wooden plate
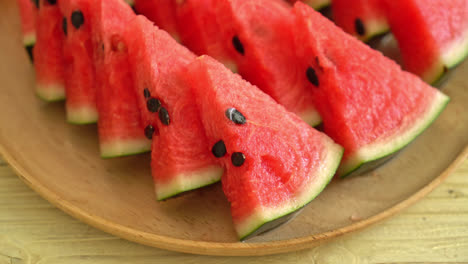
[(61, 162)]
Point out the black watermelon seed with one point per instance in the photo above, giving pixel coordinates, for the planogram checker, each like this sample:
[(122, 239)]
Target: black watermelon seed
[(153, 105), (36, 3), (235, 116), (359, 27), (312, 76), (238, 45), (219, 149), (146, 93), (29, 49), (237, 159), (52, 2), (64, 25), (149, 131), (77, 19), (164, 116)]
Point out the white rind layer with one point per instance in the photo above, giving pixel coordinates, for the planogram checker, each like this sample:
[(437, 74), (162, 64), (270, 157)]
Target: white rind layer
[(82, 115), (456, 52), (397, 140), (188, 181), (29, 39), (50, 92), (314, 187), (374, 28), (124, 147), (311, 117)]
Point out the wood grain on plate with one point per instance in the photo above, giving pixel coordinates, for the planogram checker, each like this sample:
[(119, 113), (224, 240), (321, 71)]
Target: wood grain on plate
[(61, 162)]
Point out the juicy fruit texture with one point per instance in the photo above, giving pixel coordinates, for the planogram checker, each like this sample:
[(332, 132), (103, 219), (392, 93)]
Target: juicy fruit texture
[(181, 157), (80, 81), (28, 24), (315, 4), (368, 104), (120, 127), (48, 57), (161, 12), (432, 35), (258, 35), (361, 18), (199, 30), (275, 163)]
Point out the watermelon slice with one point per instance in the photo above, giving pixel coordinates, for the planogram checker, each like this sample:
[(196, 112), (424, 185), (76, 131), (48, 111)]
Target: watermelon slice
[(48, 57), (432, 35), (315, 4), (121, 129), (275, 163), (80, 80), (181, 157), (258, 35), (199, 30), (161, 12), (28, 24), (362, 18), (368, 104)]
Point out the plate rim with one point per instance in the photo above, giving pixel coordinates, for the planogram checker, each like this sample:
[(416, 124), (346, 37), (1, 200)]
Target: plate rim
[(220, 248)]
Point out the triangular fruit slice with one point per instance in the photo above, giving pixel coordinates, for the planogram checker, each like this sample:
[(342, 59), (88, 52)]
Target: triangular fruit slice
[(121, 129), (80, 83), (161, 12), (432, 35), (368, 104), (199, 30), (48, 57), (258, 34), (362, 18), (28, 11), (275, 163), (181, 158)]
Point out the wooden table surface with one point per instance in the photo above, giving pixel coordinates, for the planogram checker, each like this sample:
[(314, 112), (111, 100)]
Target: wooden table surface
[(434, 230)]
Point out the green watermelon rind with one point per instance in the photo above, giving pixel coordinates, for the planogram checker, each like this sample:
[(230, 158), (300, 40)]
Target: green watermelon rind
[(82, 115), (185, 182), (265, 215), (51, 92), (130, 2), (393, 144), (124, 147), (29, 39), (318, 4)]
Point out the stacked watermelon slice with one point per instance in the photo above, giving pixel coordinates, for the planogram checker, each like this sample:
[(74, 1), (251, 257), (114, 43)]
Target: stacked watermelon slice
[(204, 123), (28, 12)]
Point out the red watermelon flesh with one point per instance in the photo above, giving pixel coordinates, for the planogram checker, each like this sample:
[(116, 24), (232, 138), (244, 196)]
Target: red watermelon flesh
[(28, 12), (199, 30), (181, 157), (432, 35), (275, 163), (315, 4), (362, 18), (48, 57), (80, 83), (120, 126), (258, 34), (368, 104), (161, 12)]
